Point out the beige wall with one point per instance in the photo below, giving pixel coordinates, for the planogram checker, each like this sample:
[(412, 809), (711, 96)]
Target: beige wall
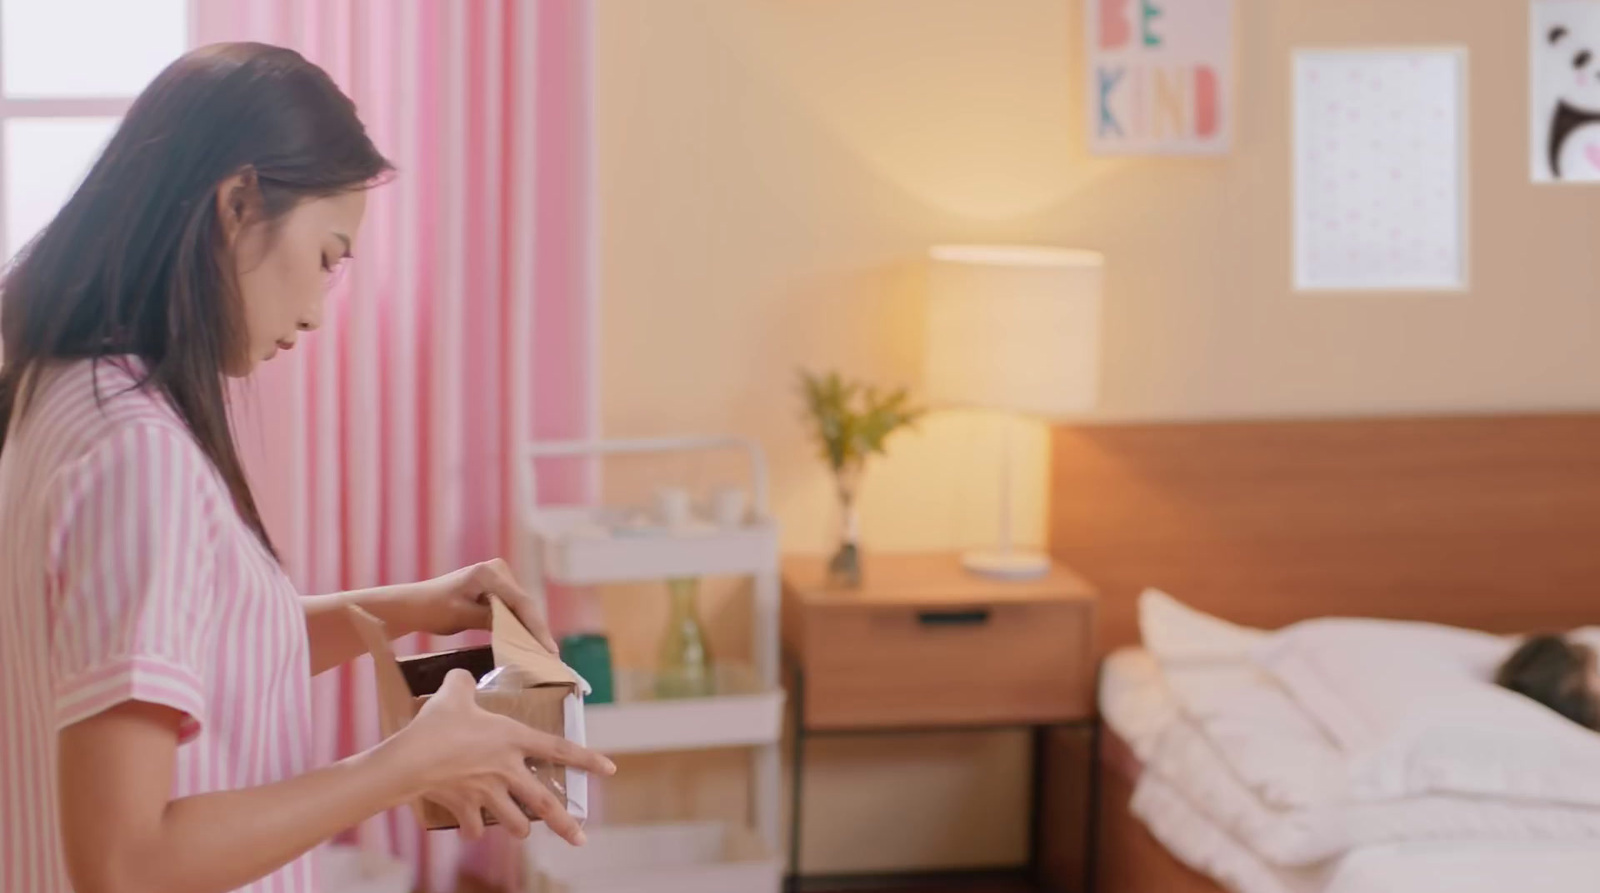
[(771, 170)]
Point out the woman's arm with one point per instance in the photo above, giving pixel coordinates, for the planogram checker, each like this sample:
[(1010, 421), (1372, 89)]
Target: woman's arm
[(334, 640), (443, 606), (124, 834)]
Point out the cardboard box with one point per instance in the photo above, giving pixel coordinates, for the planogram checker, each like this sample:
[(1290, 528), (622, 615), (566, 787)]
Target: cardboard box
[(532, 686)]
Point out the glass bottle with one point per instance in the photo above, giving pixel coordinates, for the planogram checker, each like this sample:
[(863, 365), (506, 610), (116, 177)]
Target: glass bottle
[(684, 665), (844, 568)]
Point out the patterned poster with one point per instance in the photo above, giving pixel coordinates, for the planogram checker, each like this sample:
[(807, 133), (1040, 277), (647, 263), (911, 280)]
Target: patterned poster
[(1380, 170), (1565, 129), (1160, 76)]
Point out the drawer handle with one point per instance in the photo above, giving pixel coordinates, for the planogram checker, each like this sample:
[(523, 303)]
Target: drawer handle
[(975, 617)]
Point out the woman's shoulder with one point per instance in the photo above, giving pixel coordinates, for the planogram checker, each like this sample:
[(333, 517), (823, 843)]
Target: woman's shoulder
[(90, 437), (90, 407)]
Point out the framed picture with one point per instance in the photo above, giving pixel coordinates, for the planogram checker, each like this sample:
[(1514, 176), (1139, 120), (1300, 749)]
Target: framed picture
[(1380, 169), (1160, 76), (1564, 131)]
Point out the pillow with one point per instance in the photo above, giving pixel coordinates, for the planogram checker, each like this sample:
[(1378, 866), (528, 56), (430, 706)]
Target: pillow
[(1361, 678), (1415, 709), (1173, 631)]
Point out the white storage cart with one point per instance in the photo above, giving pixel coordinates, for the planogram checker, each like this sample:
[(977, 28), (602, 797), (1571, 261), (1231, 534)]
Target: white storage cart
[(582, 546)]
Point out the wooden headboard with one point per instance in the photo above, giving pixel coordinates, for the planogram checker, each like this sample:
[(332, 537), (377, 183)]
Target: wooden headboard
[(1490, 522)]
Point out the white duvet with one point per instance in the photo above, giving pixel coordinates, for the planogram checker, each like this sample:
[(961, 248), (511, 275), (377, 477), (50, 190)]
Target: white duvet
[(1491, 866), (1265, 746), (1245, 783)]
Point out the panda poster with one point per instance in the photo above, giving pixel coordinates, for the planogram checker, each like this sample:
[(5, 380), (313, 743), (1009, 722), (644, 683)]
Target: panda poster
[(1160, 76), (1565, 51)]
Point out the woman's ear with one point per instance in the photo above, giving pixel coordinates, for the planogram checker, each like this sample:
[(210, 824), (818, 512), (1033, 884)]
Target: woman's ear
[(237, 198)]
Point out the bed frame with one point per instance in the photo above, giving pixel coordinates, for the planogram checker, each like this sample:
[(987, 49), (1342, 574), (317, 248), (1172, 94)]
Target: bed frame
[(1490, 522)]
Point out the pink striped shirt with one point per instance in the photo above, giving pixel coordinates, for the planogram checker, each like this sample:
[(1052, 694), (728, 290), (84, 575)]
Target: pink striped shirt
[(126, 574)]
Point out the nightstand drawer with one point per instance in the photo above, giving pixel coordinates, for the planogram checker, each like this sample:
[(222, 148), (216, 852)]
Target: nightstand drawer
[(946, 663)]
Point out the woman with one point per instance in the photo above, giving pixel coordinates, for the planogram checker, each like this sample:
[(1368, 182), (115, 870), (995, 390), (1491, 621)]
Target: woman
[(1558, 673), (155, 662)]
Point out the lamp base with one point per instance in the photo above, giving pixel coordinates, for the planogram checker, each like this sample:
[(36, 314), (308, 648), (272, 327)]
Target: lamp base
[(1007, 565)]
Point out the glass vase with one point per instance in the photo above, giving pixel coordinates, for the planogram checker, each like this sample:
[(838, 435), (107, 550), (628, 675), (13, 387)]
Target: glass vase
[(684, 666), (844, 569)]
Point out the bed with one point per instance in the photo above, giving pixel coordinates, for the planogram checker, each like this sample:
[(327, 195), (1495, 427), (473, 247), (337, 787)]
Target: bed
[(1490, 522)]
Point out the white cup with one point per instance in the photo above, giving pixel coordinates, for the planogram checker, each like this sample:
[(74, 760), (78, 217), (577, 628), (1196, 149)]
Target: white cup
[(673, 507), (730, 506)]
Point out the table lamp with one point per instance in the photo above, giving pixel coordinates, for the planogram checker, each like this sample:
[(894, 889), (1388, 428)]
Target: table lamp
[(1014, 329)]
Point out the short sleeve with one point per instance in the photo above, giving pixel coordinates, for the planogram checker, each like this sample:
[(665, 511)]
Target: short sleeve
[(132, 579)]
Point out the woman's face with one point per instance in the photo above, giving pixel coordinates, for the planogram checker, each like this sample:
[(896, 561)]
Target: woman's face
[(285, 270)]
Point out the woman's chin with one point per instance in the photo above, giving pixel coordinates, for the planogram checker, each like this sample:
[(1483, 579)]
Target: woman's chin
[(243, 368)]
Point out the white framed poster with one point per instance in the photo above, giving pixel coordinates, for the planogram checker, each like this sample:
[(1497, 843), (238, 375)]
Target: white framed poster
[(1564, 51), (1380, 170), (1160, 76)]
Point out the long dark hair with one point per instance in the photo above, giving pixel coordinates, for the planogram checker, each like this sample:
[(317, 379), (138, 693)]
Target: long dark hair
[(1555, 672), (135, 262)]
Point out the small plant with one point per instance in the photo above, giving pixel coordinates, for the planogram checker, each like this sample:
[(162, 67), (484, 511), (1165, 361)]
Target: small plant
[(852, 422)]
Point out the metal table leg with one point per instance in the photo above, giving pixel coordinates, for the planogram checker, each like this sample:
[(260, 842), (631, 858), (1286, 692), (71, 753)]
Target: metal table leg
[(797, 777)]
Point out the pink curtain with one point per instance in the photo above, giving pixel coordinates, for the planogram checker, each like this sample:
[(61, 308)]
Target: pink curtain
[(381, 450)]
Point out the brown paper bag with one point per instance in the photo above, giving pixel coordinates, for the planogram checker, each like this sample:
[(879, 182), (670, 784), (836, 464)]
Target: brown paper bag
[(532, 686)]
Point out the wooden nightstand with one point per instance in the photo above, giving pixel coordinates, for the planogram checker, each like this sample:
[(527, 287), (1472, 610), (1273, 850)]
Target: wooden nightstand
[(923, 645)]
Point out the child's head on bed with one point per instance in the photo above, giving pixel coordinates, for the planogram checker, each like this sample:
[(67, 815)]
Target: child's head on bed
[(1557, 673)]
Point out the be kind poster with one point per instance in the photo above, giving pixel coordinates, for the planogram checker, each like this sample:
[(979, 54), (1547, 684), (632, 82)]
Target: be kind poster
[(1160, 76)]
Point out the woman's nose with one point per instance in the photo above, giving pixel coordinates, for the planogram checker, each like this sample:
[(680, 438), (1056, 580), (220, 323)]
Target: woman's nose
[(311, 321)]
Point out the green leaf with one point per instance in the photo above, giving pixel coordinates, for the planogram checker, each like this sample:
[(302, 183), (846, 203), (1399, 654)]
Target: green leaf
[(852, 420)]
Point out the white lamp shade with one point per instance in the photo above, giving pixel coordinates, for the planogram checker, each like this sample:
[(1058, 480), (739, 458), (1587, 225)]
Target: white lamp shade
[(1013, 328)]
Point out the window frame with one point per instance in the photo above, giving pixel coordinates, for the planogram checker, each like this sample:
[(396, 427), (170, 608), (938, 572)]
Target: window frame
[(63, 107)]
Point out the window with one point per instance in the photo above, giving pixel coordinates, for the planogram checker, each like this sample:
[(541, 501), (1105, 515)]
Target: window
[(68, 71)]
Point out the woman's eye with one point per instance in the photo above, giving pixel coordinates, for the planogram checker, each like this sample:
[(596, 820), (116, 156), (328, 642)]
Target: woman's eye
[(334, 270)]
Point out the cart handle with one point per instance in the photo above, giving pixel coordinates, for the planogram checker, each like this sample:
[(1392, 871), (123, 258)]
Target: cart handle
[(575, 448)]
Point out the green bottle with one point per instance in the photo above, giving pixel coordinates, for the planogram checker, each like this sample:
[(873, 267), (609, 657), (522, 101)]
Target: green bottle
[(589, 654), (684, 667)]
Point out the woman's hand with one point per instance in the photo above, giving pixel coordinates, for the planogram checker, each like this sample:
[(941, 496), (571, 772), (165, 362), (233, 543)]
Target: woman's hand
[(469, 760), (443, 606), (460, 601)]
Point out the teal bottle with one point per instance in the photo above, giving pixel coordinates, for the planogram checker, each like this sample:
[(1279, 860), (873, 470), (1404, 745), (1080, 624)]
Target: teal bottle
[(589, 654)]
